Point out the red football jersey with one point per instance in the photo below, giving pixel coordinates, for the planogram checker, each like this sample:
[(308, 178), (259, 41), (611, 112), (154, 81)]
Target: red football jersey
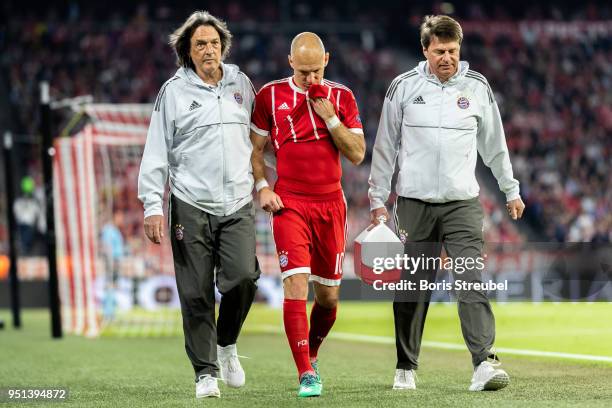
[(307, 160)]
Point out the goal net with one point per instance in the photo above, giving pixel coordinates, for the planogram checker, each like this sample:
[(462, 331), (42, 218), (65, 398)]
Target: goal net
[(114, 281)]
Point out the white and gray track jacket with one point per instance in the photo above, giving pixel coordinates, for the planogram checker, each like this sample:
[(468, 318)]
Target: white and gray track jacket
[(434, 130), (199, 140)]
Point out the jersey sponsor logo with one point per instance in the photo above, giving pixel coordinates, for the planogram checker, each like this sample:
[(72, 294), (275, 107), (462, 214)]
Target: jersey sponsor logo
[(238, 97), (283, 258), (284, 106), (194, 105), (418, 100), (178, 232), (463, 102)]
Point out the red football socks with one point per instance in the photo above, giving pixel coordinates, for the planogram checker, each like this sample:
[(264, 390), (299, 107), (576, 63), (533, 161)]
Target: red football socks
[(321, 322), (296, 329)]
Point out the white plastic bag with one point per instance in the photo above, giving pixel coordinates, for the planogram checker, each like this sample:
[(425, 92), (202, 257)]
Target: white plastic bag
[(371, 249)]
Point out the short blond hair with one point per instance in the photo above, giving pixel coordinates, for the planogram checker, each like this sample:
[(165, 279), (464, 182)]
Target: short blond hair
[(441, 26)]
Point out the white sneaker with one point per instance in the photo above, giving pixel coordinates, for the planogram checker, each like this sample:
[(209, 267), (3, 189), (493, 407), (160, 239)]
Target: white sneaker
[(207, 387), (231, 370), (489, 378), (404, 380)]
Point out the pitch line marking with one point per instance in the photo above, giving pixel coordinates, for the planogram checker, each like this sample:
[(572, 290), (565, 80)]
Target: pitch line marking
[(366, 338)]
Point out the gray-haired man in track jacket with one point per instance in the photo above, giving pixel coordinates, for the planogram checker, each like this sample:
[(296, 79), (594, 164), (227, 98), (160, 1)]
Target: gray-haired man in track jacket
[(435, 119), (199, 140)]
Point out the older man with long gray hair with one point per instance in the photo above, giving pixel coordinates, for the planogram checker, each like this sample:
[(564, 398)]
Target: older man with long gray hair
[(199, 140)]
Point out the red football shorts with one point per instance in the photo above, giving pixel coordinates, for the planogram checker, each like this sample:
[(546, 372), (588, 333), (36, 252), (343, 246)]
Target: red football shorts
[(310, 237)]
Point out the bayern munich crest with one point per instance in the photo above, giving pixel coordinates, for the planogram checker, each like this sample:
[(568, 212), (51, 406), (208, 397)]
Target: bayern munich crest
[(238, 97), (178, 232), (463, 102), (283, 258), (403, 235)]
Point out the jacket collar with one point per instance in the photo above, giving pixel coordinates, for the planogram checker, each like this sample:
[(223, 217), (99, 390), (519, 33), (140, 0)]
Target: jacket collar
[(230, 72), (423, 70)]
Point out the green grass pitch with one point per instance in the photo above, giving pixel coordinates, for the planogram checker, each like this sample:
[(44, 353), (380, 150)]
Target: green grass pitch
[(154, 371)]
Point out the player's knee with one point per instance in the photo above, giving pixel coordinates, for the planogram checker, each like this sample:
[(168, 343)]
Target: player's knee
[(296, 286), (328, 301)]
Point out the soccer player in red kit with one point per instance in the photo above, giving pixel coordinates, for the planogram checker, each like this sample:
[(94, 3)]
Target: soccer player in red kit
[(310, 121)]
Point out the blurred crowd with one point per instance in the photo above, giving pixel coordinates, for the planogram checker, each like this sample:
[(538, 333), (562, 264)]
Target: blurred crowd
[(554, 91), (555, 95)]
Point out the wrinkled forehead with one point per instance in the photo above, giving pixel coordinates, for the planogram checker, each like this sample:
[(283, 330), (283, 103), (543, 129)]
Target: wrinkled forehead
[(205, 33), (308, 67), (443, 44)]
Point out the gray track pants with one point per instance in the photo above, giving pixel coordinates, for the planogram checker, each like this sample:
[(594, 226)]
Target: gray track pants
[(458, 227), (202, 242)]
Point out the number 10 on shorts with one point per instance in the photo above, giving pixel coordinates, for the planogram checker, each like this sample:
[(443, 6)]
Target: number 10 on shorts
[(339, 262)]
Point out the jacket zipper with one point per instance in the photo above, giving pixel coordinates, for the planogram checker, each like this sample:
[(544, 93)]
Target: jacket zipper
[(222, 151), (439, 142)]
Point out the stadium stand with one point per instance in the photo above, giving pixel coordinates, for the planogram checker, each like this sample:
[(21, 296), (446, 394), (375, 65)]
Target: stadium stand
[(549, 68)]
